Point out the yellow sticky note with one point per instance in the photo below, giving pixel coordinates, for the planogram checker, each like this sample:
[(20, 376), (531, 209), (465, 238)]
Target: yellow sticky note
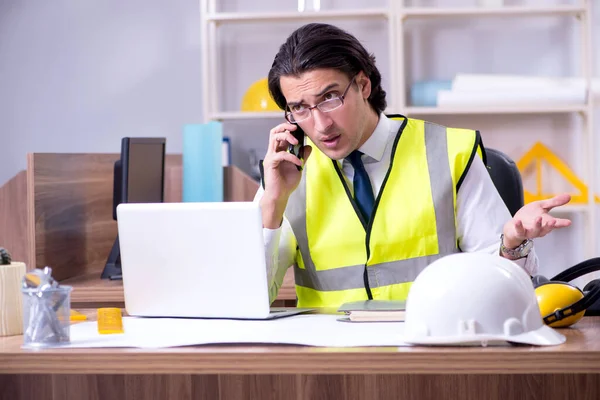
[(110, 321)]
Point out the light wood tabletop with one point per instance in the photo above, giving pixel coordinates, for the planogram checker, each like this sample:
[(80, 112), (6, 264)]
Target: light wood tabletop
[(580, 354)]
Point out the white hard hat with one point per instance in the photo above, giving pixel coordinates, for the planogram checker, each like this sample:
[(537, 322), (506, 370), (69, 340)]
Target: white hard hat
[(475, 299)]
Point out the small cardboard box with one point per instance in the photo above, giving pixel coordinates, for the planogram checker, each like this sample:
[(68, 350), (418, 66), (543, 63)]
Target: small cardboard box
[(11, 300)]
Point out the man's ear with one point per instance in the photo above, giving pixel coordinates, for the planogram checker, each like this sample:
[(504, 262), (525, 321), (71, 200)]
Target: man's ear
[(364, 84)]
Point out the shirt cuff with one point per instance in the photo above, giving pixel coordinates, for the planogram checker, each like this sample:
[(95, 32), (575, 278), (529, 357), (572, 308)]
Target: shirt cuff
[(528, 263), (271, 235), (271, 239)]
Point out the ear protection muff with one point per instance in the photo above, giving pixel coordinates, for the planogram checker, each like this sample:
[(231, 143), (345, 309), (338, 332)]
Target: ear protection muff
[(561, 303)]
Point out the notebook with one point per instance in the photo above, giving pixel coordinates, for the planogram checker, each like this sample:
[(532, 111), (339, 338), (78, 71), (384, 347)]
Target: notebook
[(197, 260), (374, 310)]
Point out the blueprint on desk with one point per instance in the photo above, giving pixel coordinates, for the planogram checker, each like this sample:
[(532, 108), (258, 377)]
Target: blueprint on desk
[(310, 330)]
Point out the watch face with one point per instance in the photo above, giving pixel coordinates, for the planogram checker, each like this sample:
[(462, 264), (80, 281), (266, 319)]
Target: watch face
[(525, 248)]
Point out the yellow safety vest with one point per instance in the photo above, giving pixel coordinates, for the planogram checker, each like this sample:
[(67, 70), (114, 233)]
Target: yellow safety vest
[(340, 257)]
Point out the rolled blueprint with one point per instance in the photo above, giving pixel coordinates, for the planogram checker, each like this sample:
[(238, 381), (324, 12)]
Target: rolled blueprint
[(512, 97), (484, 82)]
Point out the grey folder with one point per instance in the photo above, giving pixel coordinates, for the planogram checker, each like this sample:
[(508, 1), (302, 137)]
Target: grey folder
[(374, 310), (373, 305)]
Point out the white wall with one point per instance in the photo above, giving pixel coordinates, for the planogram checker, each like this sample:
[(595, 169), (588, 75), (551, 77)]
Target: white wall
[(76, 76)]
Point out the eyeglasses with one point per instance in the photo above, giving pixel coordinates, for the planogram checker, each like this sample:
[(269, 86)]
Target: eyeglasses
[(302, 112)]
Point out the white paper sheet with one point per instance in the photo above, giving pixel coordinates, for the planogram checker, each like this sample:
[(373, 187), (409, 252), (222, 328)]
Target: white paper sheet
[(310, 330)]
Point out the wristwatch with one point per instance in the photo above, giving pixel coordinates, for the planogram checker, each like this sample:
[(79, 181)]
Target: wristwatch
[(520, 251)]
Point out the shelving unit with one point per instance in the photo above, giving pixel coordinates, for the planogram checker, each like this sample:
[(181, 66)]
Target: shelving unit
[(295, 16), (211, 20), (395, 15)]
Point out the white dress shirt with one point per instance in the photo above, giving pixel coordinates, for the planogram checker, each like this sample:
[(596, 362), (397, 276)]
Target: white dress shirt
[(481, 212)]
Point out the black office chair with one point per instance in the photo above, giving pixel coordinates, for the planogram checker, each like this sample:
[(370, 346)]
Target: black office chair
[(506, 178)]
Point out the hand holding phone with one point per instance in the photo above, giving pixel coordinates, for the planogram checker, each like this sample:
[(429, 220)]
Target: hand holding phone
[(279, 178), (297, 149)]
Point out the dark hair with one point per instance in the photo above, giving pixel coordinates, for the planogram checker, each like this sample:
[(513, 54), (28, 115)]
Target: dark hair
[(315, 46)]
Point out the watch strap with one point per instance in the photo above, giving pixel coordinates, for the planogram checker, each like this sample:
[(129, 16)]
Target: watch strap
[(520, 251)]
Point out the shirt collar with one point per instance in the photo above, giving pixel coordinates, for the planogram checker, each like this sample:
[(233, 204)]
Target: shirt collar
[(375, 145)]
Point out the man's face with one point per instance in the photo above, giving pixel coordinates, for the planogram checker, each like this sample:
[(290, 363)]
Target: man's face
[(336, 133)]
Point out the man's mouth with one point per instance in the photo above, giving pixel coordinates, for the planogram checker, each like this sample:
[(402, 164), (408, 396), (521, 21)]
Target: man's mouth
[(331, 141)]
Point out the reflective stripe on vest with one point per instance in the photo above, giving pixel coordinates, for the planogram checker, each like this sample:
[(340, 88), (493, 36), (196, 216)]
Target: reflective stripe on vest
[(382, 272)]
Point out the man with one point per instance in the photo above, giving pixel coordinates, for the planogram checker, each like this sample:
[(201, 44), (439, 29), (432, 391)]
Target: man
[(374, 199)]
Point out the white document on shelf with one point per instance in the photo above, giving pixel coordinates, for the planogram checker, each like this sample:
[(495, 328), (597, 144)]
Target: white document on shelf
[(310, 330)]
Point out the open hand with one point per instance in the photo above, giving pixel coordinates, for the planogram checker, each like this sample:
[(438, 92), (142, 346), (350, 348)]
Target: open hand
[(533, 221)]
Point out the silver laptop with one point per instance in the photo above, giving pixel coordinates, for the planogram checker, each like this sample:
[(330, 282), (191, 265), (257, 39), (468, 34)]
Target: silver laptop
[(199, 260)]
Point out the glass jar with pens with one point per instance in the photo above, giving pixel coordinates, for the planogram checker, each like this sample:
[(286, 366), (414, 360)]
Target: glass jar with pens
[(46, 310)]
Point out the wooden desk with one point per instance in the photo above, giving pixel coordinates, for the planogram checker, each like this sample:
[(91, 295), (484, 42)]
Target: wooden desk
[(569, 371)]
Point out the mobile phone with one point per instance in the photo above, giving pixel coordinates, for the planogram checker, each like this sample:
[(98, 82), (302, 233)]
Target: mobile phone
[(297, 150)]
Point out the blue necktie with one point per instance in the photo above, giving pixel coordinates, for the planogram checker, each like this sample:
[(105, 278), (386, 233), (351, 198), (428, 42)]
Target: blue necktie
[(363, 192)]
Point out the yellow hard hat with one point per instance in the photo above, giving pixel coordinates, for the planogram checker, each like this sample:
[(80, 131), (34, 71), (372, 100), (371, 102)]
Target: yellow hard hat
[(258, 98), (554, 296)]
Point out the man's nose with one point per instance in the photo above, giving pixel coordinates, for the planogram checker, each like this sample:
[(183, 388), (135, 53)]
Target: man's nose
[(322, 120)]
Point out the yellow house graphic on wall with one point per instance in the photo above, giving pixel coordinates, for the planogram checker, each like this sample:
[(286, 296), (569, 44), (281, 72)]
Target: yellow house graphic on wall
[(535, 157)]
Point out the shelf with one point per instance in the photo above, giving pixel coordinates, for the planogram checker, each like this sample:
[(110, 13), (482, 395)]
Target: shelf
[(416, 12), (296, 16), (240, 115), (424, 12), (411, 111)]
